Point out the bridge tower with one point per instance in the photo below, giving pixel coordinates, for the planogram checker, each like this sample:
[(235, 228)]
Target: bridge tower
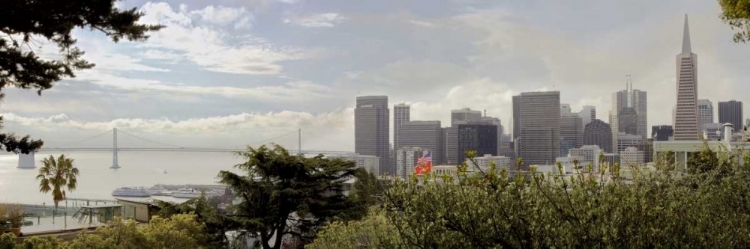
[(115, 165)]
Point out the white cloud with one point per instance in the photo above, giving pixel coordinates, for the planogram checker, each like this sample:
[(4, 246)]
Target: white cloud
[(154, 54), (424, 24), (208, 47), (221, 15), (120, 62), (328, 131), (295, 91), (325, 20)]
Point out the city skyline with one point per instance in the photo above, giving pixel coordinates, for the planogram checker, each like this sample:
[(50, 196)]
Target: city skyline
[(175, 93)]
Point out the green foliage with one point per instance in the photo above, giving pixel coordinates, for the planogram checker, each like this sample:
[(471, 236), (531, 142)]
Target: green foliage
[(178, 231), (287, 195), (216, 225), (654, 209), (24, 23), (56, 175), (366, 193), (7, 241), (736, 13), (374, 231)]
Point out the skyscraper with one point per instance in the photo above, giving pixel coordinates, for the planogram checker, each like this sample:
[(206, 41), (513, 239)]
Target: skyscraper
[(371, 130), (598, 133), (464, 116), (565, 109), (705, 112), (540, 127), (731, 112), (423, 134), (587, 114), (516, 117), (629, 112), (479, 137), (499, 125), (686, 113), (450, 145), (401, 114), (571, 134)]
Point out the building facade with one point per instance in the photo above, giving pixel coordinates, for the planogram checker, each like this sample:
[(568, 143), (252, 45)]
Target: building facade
[(598, 133), (587, 114), (713, 131), (631, 156), (401, 114), (450, 145), (406, 160), (705, 112), (369, 163), (464, 116), (485, 162), (423, 134), (731, 112), (571, 133), (478, 137), (627, 140), (371, 130), (590, 155), (662, 132), (628, 121), (516, 117), (686, 123), (540, 127)]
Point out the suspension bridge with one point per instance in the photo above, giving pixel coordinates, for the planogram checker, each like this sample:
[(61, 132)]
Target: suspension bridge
[(28, 160)]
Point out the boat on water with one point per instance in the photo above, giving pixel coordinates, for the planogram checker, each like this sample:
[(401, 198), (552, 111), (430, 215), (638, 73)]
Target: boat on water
[(186, 193), (131, 192)]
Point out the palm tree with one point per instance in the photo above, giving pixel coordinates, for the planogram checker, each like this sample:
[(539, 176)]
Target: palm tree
[(57, 175)]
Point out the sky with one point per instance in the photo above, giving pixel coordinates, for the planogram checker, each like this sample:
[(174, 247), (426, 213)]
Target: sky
[(230, 73)]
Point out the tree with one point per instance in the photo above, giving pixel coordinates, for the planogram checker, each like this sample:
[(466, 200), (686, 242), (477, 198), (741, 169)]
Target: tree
[(367, 192), (56, 175), (24, 22), (586, 210), (736, 13), (374, 231), (287, 195), (216, 225)]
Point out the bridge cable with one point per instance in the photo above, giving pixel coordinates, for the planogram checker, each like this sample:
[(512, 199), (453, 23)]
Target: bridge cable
[(149, 140), (84, 140)]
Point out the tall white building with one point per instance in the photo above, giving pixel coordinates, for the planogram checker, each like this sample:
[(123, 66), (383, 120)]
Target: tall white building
[(406, 160), (705, 112), (369, 163), (686, 113)]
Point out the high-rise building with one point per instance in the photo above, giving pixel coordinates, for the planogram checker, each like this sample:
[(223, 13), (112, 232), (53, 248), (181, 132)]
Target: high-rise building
[(571, 133), (629, 111), (705, 111), (506, 146), (406, 160), (499, 125), (625, 140), (516, 117), (587, 114), (647, 146), (565, 109), (731, 112), (371, 130), (423, 134), (401, 114), (598, 133), (662, 132), (540, 127), (479, 137), (450, 145), (686, 124), (369, 163), (464, 116)]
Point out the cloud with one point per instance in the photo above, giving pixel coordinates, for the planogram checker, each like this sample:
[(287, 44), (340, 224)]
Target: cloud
[(210, 48), (221, 15), (295, 91), (328, 131), (423, 24), (325, 20), (154, 54)]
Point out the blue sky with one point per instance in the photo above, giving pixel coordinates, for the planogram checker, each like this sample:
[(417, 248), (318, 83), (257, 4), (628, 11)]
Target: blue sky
[(262, 68)]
